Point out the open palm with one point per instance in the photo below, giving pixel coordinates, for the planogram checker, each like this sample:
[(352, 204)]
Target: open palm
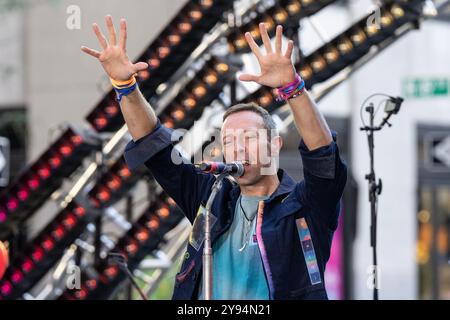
[(114, 58), (276, 68)]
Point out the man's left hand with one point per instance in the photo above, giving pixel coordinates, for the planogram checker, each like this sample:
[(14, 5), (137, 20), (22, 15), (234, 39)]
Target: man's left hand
[(277, 69)]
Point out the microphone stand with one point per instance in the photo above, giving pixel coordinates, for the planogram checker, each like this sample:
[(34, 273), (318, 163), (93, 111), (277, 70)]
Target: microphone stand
[(207, 249), (374, 191), (120, 259), (374, 187)]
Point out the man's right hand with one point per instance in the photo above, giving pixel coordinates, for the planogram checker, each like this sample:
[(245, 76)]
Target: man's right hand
[(114, 58)]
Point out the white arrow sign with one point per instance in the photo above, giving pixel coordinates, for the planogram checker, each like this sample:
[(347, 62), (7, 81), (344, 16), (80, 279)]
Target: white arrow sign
[(4, 159), (441, 151)]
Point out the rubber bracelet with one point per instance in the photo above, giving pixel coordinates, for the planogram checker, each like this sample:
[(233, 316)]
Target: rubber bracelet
[(123, 84)]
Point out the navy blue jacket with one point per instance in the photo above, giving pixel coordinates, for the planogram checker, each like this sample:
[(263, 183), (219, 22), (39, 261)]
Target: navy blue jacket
[(294, 232)]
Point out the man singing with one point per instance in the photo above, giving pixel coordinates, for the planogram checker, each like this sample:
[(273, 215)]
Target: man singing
[(271, 236)]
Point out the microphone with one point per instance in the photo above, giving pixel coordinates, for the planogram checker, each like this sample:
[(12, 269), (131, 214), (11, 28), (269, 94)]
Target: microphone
[(236, 168)]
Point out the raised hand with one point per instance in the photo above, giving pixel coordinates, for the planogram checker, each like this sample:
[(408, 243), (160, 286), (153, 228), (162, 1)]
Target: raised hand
[(276, 68), (114, 58)]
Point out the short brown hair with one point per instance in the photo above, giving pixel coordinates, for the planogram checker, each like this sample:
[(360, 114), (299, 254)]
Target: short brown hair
[(269, 123)]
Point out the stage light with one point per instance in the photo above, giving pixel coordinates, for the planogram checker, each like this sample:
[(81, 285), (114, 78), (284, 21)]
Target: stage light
[(199, 90), (190, 102), (44, 171), (16, 276), (111, 272), (206, 4), (163, 50), (45, 249), (66, 149), (293, 7), (346, 48), (27, 265), (58, 232), (131, 247), (254, 31), (81, 294), (165, 55), (269, 23), (33, 187), (33, 182), (112, 109), (210, 78), (69, 221), (80, 212), (168, 122), (280, 15), (357, 36), (113, 182), (6, 288), (283, 12), (103, 194), (48, 243), (221, 67), (163, 212), (331, 55), (12, 204), (178, 113), (195, 13), (55, 160), (318, 63), (152, 223), (344, 45), (386, 19), (2, 215), (22, 194), (154, 63), (306, 72), (124, 172), (174, 39), (184, 26), (37, 254), (113, 185), (100, 121), (76, 139), (397, 11), (266, 99), (238, 44), (91, 284), (144, 237), (372, 29)]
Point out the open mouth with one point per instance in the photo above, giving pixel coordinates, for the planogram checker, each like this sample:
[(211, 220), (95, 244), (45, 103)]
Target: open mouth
[(244, 162)]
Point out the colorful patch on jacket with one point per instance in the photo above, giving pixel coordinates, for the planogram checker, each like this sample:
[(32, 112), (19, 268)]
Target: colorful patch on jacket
[(308, 251)]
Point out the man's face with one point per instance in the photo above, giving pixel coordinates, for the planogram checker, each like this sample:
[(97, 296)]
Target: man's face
[(246, 139)]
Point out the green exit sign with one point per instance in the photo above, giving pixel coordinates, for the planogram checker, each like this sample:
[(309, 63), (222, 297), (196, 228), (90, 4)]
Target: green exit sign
[(425, 87)]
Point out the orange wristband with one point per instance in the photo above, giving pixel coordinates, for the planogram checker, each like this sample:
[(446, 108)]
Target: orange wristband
[(123, 84)]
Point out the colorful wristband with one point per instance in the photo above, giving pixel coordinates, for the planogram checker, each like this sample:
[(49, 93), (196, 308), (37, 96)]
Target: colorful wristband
[(124, 88), (291, 90)]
